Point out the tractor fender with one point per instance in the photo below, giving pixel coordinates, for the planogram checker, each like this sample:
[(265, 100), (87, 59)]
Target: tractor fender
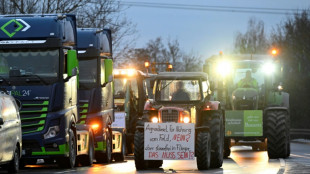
[(276, 108)]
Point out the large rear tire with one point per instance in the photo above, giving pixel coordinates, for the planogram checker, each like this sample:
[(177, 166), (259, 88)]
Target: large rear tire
[(203, 150), (139, 151), (277, 136), (217, 139)]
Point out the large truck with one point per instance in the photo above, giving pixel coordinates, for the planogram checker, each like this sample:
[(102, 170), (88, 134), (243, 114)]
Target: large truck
[(256, 106), (95, 92), (131, 90), (39, 67)]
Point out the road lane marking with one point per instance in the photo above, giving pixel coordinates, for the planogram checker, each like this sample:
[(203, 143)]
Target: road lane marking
[(301, 156)]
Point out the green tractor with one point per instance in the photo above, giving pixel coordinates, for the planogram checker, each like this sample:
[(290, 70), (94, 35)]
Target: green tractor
[(131, 90), (256, 108)]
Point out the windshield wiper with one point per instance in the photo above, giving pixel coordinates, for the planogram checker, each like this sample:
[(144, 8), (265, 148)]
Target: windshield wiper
[(2, 79), (34, 75), (166, 85)]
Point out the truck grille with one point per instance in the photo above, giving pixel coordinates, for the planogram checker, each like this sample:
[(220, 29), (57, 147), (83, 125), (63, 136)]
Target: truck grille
[(33, 114), (170, 115)]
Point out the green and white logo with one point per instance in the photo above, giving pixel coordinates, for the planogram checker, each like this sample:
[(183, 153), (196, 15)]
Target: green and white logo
[(20, 25)]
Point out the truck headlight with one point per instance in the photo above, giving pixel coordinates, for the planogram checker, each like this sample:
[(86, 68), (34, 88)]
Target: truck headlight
[(52, 132), (155, 119)]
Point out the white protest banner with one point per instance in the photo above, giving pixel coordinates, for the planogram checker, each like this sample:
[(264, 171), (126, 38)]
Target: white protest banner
[(120, 120), (169, 141)]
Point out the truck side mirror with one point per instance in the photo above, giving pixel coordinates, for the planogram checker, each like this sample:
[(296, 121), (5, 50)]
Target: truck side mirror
[(72, 63), (1, 121), (108, 66)]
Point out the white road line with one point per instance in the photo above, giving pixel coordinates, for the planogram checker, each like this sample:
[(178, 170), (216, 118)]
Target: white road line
[(68, 171), (282, 162)]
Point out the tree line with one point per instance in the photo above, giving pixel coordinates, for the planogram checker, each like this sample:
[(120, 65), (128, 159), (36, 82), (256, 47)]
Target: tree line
[(292, 39)]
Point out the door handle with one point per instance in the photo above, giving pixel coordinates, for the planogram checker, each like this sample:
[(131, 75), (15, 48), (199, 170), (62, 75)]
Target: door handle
[(70, 100)]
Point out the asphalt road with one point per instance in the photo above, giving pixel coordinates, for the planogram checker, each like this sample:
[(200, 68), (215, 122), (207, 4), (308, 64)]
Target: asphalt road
[(242, 160)]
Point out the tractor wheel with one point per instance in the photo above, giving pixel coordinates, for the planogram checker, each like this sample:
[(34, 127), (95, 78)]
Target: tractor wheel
[(277, 136), (203, 150), (217, 139), (139, 151), (154, 164), (226, 147)]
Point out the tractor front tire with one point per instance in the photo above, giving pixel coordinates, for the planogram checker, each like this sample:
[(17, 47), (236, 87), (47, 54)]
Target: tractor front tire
[(227, 147), (277, 136), (203, 150), (139, 151), (217, 139)]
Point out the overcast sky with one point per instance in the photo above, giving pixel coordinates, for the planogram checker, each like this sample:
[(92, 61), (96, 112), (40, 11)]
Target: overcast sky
[(203, 31)]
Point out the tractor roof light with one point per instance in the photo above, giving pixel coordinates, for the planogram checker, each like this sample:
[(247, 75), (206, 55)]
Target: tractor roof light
[(146, 64), (224, 68), (124, 72), (274, 52)]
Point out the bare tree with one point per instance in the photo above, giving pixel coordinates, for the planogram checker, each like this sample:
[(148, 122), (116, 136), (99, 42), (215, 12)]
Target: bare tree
[(191, 62), (175, 54), (254, 41)]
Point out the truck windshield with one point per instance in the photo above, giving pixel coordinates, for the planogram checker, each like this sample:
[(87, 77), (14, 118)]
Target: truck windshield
[(42, 63), (178, 90), (88, 72)]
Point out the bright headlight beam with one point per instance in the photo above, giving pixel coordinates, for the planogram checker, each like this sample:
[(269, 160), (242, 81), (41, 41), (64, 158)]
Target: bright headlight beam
[(224, 68), (269, 68)]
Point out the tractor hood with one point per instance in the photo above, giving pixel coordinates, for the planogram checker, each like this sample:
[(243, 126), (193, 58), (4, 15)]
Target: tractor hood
[(244, 99)]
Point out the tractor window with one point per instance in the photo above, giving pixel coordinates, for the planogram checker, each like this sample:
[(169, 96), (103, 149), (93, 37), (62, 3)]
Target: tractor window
[(134, 87), (205, 88), (178, 90), (120, 88)]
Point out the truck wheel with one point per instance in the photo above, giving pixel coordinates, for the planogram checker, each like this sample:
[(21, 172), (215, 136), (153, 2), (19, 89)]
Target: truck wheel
[(277, 137), (154, 164), (107, 156), (226, 147), (69, 162), (203, 150), (217, 139), (139, 151), (14, 164), (121, 156), (87, 160)]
